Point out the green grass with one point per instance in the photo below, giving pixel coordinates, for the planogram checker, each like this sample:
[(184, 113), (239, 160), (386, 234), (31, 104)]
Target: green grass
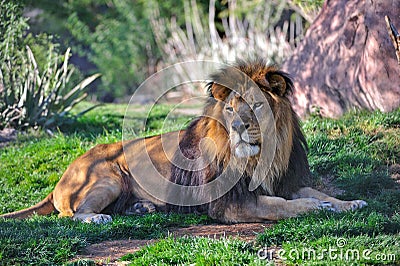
[(195, 251), (354, 151)]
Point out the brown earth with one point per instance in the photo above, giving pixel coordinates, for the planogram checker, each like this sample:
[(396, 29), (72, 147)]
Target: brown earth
[(7, 135), (108, 252)]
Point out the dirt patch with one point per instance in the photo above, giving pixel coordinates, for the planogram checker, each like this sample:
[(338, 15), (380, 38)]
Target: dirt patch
[(246, 232), (108, 252), (7, 135)]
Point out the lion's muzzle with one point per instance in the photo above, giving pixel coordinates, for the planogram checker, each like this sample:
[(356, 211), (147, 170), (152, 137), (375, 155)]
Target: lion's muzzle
[(242, 141)]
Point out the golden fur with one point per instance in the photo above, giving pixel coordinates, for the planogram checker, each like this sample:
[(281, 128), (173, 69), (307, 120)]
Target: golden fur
[(238, 127)]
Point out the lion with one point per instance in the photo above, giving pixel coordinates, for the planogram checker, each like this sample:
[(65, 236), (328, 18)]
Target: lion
[(248, 135)]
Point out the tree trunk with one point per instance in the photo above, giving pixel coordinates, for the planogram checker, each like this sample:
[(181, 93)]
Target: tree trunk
[(347, 59)]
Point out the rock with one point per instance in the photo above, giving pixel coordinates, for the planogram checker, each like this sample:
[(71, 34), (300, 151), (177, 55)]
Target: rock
[(347, 59)]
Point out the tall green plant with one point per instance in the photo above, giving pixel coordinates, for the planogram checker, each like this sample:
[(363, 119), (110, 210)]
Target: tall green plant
[(119, 45), (34, 99), (29, 96)]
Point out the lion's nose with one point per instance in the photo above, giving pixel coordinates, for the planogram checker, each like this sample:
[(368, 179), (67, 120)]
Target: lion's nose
[(239, 126)]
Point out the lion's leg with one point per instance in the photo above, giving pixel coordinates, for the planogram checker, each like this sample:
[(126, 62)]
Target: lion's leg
[(272, 209), (338, 205), (99, 196)]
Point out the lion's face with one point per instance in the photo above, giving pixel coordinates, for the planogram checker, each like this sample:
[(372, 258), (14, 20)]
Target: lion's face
[(243, 115), (252, 104)]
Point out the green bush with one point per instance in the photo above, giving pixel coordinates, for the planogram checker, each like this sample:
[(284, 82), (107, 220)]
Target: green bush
[(33, 95), (127, 41), (119, 45)]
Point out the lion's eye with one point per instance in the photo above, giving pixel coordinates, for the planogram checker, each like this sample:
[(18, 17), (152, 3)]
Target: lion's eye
[(257, 105), (229, 109)]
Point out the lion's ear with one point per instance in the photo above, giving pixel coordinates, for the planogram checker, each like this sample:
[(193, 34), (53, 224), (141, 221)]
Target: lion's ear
[(279, 82), (219, 92)]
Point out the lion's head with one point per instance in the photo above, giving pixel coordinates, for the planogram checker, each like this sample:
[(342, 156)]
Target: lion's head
[(251, 123), (251, 101)]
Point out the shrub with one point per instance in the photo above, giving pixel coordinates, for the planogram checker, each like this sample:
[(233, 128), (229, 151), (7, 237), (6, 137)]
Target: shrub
[(32, 96), (243, 30)]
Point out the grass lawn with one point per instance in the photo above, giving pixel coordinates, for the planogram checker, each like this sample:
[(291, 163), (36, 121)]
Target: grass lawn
[(356, 154)]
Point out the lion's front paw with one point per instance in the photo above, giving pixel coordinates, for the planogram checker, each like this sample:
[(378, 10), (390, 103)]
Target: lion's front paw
[(308, 204), (141, 207), (99, 219), (349, 205), (96, 218), (357, 204)]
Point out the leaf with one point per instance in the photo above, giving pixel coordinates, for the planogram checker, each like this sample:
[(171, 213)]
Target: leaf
[(83, 84), (39, 99), (89, 109)]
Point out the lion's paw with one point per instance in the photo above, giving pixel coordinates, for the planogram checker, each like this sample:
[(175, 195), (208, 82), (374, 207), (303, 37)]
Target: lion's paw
[(351, 205), (99, 219), (357, 204), (96, 218), (141, 207)]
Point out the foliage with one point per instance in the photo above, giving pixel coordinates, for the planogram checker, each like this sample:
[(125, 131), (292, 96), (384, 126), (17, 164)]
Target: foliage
[(34, 95), (129, 40), (31, 99), (114, 35), (12, 28), (117, 46), (246, 29), (117, 37), (235, 30), (309, 9)]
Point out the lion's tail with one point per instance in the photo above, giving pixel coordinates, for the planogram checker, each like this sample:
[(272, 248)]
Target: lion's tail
[(46, 206)]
